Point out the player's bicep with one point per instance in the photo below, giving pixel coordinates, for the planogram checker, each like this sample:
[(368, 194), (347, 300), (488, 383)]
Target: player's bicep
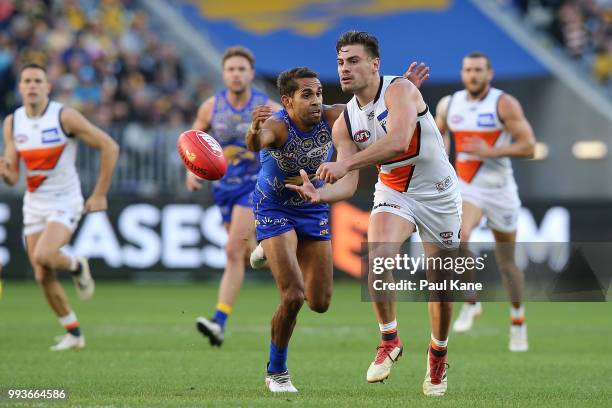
[(441, 114), (514, 120), (269, 135), (76, 124), (342, 140), (402, 99), (204, 115)]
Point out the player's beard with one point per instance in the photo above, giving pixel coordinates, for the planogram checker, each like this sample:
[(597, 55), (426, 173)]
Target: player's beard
[(476, 92)]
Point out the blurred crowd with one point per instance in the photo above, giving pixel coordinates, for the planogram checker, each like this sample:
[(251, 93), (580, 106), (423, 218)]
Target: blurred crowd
[(105, 59), (582, 27)]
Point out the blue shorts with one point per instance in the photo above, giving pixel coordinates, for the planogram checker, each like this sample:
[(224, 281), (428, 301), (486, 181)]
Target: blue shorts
[(226, 200), (308, 223)]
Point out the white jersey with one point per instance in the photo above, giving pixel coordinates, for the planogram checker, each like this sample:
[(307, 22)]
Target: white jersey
[(480, 119), (423, 172), (48, 153)]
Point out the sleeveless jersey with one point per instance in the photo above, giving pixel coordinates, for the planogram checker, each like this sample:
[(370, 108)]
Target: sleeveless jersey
[(424, 170), (229, 126), (302, 150), (48, 152), (468, 119)]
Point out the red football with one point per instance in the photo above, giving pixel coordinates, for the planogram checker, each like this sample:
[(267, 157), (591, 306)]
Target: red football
[(202, 154)]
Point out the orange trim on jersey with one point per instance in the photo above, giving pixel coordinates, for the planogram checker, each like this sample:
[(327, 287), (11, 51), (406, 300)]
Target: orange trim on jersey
[(467, 169), (33, 182), (398, 178), (413, 148), (45, 158)]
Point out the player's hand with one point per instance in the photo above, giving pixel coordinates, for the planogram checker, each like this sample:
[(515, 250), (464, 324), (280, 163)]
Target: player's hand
[(417, 74), (260, 114), (307, 190), (96, 203), (192, 182), (331, 172), (477, 147)]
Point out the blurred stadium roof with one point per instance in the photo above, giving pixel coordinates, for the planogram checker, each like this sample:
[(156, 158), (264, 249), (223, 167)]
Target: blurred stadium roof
[(287, 34)]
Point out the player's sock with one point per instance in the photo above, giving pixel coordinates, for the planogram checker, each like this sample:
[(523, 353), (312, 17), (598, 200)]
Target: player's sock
[(438, 347), (517, 315), (222, 313), (278, 359), (71, 324), (388, 331), (75, 265)]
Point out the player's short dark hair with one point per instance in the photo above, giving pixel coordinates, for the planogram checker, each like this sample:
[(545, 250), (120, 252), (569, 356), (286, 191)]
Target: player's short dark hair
[(286, 81), (478, 54), (369, 42), (239, 51), (28, 65)]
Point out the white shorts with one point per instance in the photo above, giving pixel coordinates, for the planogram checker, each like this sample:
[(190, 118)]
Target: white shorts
[(500, 205), (438, 219), (38, 211)]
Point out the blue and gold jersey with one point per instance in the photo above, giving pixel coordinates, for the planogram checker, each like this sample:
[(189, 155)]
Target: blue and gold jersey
[(302, 150), (229, 126)]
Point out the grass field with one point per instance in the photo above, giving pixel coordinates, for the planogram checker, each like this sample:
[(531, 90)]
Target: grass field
[(143, 351)]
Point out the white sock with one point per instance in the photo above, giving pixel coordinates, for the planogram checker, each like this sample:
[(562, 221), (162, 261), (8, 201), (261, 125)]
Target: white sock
[(386, 327), (69, 319), (439, 343)]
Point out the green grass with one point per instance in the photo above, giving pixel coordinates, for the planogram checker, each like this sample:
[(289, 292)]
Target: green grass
[(143, 350)]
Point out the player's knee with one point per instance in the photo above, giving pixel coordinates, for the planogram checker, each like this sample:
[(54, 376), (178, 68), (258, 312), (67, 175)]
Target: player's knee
[(466, 232), (236, 251), (507, 267), (293, 299), (320, 304), (43, 258)]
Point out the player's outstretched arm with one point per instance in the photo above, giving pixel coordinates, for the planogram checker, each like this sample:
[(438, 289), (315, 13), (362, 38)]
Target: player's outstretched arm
[(512, 116), (346, 186), (9, 161), (417, 73), (262, 132), (75, 123)]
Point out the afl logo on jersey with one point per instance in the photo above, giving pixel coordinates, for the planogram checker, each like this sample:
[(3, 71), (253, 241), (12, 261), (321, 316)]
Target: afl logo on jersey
[(456, 119), (21, 138), (361, 136)]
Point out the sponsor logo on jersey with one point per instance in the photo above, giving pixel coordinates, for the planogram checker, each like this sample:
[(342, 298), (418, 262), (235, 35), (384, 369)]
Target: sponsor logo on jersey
[(324, 232), (383, 204), (50, 135), (323, 222), (486, 120), (382, 119), (361, 136), (444, 184), (456, 119), (371, 115)]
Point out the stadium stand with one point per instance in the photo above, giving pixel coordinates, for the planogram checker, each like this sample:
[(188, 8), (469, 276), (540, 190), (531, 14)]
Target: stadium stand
[(583, 28), (106, 59)]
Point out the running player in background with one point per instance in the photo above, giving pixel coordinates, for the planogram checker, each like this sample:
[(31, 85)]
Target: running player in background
[(487, 127), (227, 116), (388, 124), (44, 134)]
